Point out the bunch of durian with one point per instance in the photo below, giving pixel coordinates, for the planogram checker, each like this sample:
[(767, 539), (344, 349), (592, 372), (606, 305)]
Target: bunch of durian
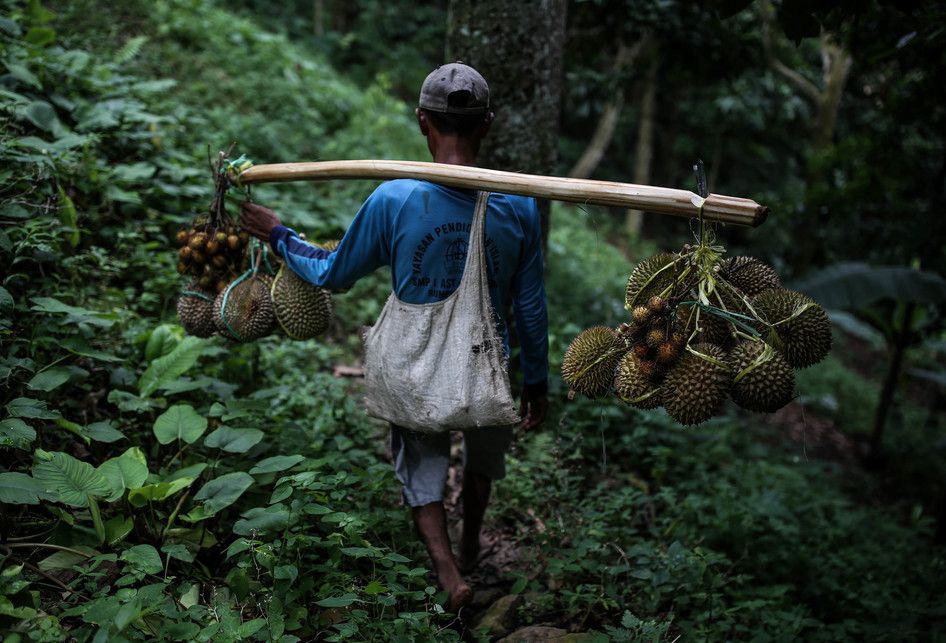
[(257, 303), (702, 328)]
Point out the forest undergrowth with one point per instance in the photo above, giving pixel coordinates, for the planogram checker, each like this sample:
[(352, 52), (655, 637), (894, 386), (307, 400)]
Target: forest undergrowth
[(162, 487)]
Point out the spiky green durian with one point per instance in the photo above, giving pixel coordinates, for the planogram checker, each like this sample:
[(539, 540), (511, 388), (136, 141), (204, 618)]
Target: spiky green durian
[(798, 327), (632, 387), (302, 309), (244, 311), (750, 275), (696, 387), (763, 380), (195, 309), (589, 362), (651, 277)]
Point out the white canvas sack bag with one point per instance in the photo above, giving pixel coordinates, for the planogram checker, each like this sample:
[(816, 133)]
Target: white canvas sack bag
[(441, 366)]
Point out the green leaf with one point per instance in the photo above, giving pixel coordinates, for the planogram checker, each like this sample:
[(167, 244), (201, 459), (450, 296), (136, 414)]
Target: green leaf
[(103, 432), (155, 492), (16, 433), (223, 491), (179, 552), (27, 407), (855, 285), (338, 601), (74, 314), (276, 463), (162, 341), (233, 440), (73, 482), (81, 347), (6, 299), (41, 114), (144, 558), (40, 36), (117, 528), (180, 422), (249, 628), (260, 520), (169, 367), (23, 74), (127, 471), (50, 379), (66, 559), (19, 489)]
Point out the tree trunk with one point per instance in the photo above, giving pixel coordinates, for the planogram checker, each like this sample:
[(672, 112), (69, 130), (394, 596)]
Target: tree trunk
[(901, 342), (644, 150), (517, 46)]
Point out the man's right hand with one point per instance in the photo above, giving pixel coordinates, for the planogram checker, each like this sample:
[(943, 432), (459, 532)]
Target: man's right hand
[(533, 408), (257, 220)]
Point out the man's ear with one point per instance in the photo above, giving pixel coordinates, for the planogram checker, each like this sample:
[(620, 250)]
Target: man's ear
[(483, 129), (422, 121)]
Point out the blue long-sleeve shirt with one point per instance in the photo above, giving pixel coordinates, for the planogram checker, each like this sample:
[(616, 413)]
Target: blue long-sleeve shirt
[(422, 230)]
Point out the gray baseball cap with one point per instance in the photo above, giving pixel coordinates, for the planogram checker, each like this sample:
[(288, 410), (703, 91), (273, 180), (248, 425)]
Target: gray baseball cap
[(448, 79)]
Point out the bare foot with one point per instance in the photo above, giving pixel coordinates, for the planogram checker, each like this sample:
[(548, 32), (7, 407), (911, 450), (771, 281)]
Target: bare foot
[(460, 596)]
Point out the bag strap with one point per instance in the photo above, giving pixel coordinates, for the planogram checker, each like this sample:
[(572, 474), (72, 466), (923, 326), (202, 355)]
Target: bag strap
[(476, 250)]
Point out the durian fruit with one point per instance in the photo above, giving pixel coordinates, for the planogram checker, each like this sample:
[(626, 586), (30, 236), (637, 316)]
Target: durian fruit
[(195, 309), (244, 311), (645, 281), (768, 385), (713, 329), (632, 387), (750, 275), (589, 362), (801, 327), (695, 388), (303, 310)]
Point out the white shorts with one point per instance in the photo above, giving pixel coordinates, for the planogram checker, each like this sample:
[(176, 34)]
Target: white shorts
[(421, 460)]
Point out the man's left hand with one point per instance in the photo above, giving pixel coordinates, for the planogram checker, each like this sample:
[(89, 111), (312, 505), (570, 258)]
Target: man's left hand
[(533, 408), (257, 220)]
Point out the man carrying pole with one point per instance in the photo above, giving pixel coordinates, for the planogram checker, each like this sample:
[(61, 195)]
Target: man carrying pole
[(422, 231)]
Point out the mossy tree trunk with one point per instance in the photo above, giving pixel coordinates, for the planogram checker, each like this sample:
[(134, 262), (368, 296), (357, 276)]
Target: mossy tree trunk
[(517, 46)]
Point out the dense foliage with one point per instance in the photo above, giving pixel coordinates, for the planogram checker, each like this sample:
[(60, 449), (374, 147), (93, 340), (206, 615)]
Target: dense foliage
[(160, 487)]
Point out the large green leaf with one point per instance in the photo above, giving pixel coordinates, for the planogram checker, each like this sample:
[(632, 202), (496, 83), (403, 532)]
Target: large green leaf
[(19, 489), (162, 341), (180, 422), (127, 471), (260, 519), (103, 432), (223, 491), (144, 558), (233, 440), (70, 481), (277, 463), (855, 285), (50, 379), (140, 496), (16, 433), (168, 368), (27, 407)]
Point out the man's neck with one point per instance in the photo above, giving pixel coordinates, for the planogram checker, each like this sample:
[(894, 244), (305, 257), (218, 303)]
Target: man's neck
[(453, 151)]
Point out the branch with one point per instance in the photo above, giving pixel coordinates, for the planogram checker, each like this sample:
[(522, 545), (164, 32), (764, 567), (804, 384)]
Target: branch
[(604, 131)]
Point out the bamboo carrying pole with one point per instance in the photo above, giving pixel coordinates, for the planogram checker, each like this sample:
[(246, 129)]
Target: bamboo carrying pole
[(681, 203)]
